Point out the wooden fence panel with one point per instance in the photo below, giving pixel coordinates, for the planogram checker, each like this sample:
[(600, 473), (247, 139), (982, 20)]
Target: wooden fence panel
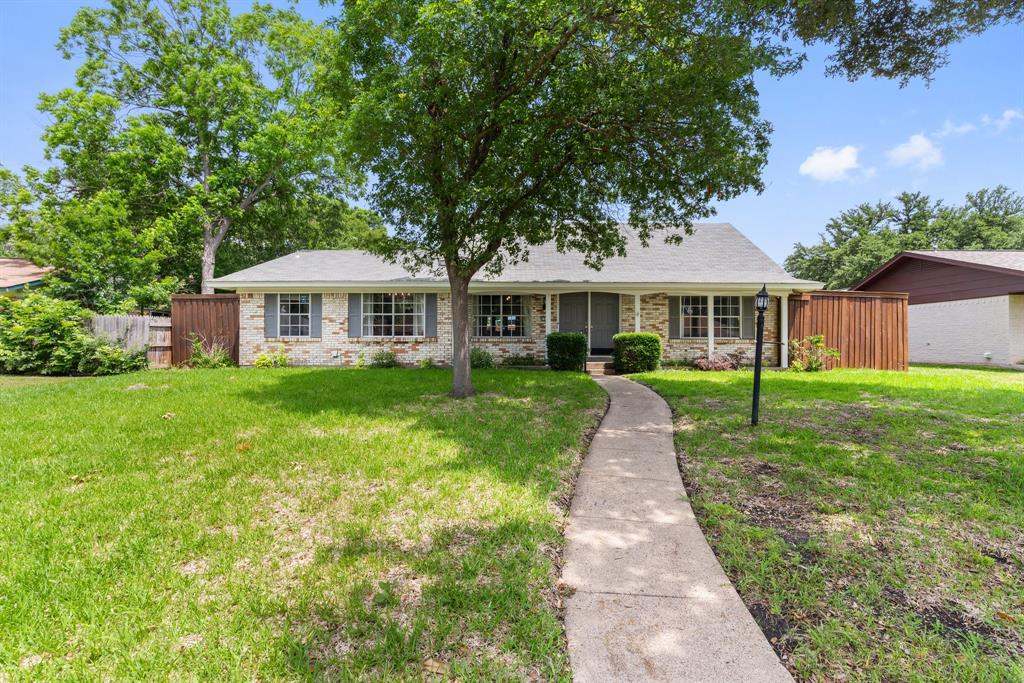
[(211, 317), (135, 332), (868, 328)]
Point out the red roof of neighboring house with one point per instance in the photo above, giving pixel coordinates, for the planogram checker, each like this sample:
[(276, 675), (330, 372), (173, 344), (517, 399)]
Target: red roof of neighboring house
[(16, 272)]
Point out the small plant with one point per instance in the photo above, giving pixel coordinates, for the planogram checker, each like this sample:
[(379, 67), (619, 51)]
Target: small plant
[(361, 360), (384, 359), (636, 351), (717, 362), (810, 354), (208, 357), (567, 350), (677, 363), (424, 364), (481, 359), (524, 360), (273, 359)]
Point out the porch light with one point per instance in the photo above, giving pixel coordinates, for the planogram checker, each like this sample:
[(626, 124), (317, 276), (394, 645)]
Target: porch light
[(761, 304)]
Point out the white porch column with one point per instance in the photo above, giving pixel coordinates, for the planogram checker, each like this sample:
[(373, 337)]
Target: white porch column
[(711, 324), (547, 322), (636, 312), (784, 330)]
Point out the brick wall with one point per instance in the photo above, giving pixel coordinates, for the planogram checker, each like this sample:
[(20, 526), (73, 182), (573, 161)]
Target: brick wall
[(335, 347), (963, 331)]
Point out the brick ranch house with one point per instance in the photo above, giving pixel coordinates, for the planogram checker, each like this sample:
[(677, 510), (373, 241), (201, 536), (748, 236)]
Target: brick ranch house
[(331, 307)]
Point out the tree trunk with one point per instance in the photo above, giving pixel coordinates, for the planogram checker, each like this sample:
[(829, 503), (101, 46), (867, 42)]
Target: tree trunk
[(209, 263), (462, 383)]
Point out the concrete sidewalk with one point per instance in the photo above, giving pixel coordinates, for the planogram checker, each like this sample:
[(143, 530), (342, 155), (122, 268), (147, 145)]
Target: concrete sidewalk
[(651, 602)]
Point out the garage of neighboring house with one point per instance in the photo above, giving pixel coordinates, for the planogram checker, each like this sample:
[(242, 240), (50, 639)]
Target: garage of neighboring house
[(966, 307)]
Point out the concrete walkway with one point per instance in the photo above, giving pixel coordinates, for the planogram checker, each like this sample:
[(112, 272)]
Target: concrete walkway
[(651, 602)]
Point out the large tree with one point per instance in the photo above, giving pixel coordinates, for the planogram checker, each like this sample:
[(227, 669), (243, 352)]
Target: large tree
[(858, 241), (493, 125), (230, 95)]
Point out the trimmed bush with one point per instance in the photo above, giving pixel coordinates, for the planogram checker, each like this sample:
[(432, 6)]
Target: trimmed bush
[(567, 350), (384, 359), (424, 363), (271, 360), (521, 361), (636, 351), (481, 359), (46, 336)]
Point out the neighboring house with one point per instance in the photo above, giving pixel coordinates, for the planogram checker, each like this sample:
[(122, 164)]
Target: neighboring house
[(965, 306), (18, 275), (330, 307)]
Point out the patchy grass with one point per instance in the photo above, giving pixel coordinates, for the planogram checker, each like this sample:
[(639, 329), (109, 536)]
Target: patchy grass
[(873, 522), (286, 524), (15, 381)]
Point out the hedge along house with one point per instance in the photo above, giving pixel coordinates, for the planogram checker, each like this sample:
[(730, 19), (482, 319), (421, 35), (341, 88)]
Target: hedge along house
[(333, 307)]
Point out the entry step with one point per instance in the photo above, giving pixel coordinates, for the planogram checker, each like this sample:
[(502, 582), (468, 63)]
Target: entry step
[(600, 368)]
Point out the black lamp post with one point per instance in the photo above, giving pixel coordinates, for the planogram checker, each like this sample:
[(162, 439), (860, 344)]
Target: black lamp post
[(761, 304)]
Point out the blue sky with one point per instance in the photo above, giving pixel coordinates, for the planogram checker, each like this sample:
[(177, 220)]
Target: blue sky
[(835, 144)]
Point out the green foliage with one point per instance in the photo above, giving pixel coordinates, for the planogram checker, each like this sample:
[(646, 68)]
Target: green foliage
[(860, 240), (272, 359), (567, 350), (525, 360), (424, 363), (481, 358), (47, 336), (208, 356), (636, 351), (384, 359), (361, 360), (810, 354), (717, 362)]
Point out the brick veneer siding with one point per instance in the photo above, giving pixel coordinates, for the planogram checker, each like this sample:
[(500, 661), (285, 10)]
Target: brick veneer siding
[(335, 347)]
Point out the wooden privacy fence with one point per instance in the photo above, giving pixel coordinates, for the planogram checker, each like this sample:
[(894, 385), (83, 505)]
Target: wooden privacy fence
[(211, 317), (868, 328), (135, 332)]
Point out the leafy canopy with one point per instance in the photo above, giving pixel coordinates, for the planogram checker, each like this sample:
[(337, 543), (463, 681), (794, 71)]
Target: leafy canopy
[(860, 240)]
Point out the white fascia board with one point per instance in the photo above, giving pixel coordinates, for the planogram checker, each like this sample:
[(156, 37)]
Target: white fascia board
[(674, 288)]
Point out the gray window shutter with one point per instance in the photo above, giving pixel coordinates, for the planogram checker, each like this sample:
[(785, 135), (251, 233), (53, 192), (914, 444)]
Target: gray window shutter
[(269, 315), (430, 326), (316, 315), (674, 324), (355, 315), (746, 317)]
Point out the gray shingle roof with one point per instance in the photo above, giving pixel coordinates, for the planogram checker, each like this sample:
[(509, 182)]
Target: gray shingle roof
[(996, 258), (715, 253)]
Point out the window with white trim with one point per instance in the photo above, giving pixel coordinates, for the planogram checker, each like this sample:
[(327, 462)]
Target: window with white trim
[(393, 315), (727, 316), (293, 315), (693, 316), (500, 315)]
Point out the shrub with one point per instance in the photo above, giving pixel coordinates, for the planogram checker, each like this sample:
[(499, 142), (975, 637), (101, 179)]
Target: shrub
[(677, 363), (481, 359), (384, 359), (717, 361), (636, 351), (47, 336), (810, 354), (424, 363), (525, 360), (208, 357), (567, 350), (361, 360), (273, 359)]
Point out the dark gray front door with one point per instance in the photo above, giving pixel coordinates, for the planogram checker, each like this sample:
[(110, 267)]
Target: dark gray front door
[(604, 321), (572, 312)]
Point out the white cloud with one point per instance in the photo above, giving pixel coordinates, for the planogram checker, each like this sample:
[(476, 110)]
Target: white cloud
[(1004, 121), (918, 151), (830, 165), (949, 128)]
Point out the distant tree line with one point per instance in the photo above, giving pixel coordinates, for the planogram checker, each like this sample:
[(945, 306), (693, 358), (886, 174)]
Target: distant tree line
[(858, 241)]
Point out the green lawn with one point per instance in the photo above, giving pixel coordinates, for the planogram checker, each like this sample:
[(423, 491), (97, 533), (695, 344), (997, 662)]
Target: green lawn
[(873, 522), (286, 524)]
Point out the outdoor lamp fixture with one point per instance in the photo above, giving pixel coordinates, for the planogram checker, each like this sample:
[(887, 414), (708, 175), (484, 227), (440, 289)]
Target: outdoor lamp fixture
[(761, 304)]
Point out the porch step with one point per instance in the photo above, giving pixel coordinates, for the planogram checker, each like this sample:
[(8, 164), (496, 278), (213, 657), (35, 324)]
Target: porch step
[(600, 368)]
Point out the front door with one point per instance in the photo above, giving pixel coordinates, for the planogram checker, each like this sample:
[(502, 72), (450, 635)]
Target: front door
[(604, 321), (572, 312)]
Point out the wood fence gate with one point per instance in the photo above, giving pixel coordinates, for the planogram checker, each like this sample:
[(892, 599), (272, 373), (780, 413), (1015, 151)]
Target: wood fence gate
[(210, 317), (869, 328), (136, 332)]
